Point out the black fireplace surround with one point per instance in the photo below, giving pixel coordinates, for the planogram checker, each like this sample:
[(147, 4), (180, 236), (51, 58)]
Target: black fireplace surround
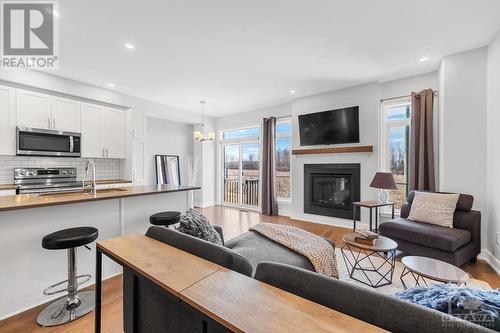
[(330, 189)]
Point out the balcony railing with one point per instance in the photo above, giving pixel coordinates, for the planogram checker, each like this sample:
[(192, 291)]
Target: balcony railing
[(250, 191)]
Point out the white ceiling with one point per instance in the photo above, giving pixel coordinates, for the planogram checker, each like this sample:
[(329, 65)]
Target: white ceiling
[(244, 54)]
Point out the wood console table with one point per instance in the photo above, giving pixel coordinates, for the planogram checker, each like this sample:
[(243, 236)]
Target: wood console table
[(224, 296)]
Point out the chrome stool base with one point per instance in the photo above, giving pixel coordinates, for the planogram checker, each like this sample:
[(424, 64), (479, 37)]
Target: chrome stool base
[(61, 312)]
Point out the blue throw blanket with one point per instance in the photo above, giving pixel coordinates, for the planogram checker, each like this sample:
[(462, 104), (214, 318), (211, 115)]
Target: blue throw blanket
[(476, 305)]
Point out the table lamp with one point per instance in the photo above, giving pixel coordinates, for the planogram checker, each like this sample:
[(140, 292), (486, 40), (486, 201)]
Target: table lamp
[(383, 181)]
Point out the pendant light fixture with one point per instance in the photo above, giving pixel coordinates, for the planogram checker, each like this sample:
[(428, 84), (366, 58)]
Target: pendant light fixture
[(203, 135)]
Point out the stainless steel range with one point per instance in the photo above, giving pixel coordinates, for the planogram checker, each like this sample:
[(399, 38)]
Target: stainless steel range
[(39, 180)]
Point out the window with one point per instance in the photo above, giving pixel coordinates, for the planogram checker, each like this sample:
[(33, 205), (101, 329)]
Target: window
[(242, 133), (395, 145), (283, 154), (241, 166)]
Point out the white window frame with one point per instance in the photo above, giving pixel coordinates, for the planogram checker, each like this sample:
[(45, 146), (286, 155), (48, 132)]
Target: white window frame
[(385, 126), (239, 141), (282, 135)]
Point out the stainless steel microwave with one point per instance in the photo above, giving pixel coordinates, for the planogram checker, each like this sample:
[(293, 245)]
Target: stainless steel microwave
[(43, 142)]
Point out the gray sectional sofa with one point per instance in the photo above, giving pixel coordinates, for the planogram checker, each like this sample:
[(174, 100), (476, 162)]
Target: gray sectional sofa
[(455, 245), (147, 308)]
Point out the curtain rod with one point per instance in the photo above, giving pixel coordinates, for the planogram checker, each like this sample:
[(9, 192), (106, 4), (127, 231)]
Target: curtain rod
[(398, 97)]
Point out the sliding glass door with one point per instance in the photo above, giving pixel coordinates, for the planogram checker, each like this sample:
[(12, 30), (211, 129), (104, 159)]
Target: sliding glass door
[(241, 174)]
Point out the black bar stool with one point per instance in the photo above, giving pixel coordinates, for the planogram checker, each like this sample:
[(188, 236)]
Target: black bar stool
[(165, 218), (74, 305)]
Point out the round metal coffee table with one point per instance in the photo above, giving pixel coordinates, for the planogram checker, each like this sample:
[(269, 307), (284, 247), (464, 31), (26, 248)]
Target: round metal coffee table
[(422, 268), (375, 263)]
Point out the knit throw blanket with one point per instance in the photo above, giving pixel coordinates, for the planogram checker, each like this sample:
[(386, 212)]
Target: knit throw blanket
[(318, 250)]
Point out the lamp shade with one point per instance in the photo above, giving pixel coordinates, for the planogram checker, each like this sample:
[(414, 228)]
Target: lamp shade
[(384, 180)]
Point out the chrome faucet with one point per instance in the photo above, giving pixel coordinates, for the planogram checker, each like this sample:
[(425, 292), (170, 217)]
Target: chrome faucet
[(87, 167)]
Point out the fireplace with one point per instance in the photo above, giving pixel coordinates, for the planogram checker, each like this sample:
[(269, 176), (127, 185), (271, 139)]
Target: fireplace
[(330, 189)]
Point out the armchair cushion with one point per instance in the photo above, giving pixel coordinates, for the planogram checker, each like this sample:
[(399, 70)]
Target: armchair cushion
[(430, 235)]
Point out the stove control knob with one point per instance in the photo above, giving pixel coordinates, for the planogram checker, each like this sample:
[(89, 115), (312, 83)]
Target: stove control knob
[(22, 172), (64, 172)]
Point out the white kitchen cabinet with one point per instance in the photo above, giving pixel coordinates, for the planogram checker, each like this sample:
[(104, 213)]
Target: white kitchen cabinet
[(7, 121), (103, 132), (114, 125), (33, 109), (65, 114), (7, 192), (92, 121)]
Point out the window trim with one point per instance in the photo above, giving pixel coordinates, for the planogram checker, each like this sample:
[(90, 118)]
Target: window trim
[(385, 125), (240, 140), (282, 135)]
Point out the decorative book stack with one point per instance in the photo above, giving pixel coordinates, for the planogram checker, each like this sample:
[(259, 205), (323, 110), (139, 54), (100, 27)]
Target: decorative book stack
[(365, 237)]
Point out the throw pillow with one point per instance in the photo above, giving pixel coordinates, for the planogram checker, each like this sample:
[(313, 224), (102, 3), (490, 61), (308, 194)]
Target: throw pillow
[(434, 208), (197, 225)]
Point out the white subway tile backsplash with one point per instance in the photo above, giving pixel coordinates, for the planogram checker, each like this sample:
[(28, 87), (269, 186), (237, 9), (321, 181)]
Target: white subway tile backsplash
[(106, 168)]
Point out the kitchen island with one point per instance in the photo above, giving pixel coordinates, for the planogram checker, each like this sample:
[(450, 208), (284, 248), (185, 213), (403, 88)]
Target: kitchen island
[(26, 268)]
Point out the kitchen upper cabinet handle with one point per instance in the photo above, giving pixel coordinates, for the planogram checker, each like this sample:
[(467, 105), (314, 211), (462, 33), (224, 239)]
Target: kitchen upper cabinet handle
[(54, 123), (107, 153), (103, 152), (48, 119)]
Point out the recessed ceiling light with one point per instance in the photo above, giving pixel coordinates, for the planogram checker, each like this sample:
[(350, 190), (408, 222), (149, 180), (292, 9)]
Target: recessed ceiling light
[(129, 46), (292, 91), (423, 59), (111, 85)]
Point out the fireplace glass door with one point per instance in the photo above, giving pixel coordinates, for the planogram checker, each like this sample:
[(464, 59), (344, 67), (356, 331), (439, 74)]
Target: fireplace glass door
[(331, 191)]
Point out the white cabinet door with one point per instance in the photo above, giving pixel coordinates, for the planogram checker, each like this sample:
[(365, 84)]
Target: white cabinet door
[(138, 158), (7, 121), (33, 109), (93, 139), (65, 114), (115, 133)]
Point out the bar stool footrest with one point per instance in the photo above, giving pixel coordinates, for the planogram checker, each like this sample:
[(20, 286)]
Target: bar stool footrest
[(49, 291)]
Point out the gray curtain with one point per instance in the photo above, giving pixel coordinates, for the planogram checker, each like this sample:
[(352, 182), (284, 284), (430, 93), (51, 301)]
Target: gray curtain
[(421, 168), (269, 204)]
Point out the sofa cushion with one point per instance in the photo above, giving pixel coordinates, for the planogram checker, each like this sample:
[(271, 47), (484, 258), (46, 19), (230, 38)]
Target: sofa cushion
[(217, 254), (434, 236), (360, 302), (434, 208), (257, 248)]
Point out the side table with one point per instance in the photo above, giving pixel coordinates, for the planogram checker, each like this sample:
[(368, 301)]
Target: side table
[(371, 205)]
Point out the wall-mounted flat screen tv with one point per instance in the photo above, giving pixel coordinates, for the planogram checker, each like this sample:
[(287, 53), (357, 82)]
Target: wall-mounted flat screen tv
[(329, 127)]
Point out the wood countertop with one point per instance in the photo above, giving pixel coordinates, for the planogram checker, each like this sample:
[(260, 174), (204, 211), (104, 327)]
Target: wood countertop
[(243, 304), (238, 302), (172, 269), (98, 182), (23, 201)]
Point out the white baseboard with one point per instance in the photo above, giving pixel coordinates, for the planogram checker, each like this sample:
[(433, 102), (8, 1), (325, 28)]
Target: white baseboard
[(204, 204), (490, 259), (343, 223)]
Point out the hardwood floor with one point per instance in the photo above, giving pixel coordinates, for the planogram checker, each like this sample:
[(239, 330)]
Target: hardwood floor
[(234, 222)]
